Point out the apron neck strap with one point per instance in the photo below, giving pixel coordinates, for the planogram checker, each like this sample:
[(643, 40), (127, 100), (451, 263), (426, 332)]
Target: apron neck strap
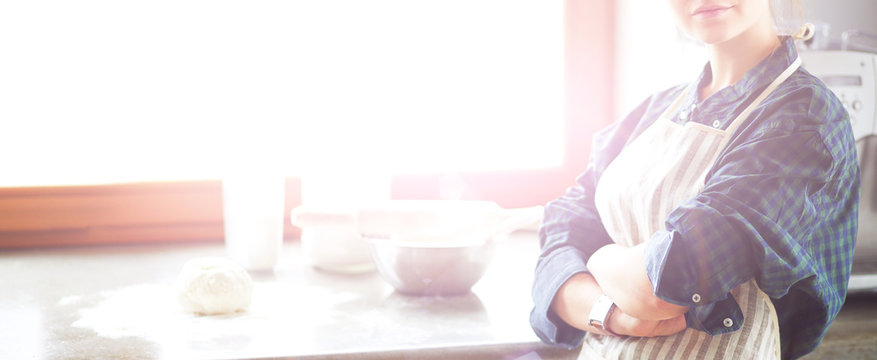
[(767, 91), (764, 94), (670, 109)]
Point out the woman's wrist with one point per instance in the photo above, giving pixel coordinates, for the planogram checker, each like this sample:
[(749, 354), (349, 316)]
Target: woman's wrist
[(577, 296), (606, 326), (574, 301), (620, 272), (600, 313)]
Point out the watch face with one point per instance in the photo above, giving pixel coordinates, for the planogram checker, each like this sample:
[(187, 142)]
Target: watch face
[(600, 312)]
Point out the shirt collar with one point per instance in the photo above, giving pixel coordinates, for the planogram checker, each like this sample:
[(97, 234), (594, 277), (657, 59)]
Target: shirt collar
[(755, 79)]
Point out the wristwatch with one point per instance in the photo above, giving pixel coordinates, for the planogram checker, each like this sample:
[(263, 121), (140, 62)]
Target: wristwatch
[(600, 312)]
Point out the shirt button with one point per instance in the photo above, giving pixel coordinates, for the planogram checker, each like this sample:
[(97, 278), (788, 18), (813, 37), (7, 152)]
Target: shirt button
[(716, 124), (695, 298), (728, 322), (683, 115)]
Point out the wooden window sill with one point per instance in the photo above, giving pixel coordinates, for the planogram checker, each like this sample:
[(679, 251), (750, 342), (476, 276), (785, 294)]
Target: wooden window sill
[(116, 214)]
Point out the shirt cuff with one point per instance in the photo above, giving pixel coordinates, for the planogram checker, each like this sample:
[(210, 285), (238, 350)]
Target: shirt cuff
[(674, 282), (718, 318), (551, 273)]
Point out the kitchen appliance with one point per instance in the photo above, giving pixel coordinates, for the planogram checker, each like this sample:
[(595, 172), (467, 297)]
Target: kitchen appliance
[(852, 76)]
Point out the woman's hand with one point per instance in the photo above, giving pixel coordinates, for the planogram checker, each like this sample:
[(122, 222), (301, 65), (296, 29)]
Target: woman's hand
[(621, 273), (577, 296), (623, 324)]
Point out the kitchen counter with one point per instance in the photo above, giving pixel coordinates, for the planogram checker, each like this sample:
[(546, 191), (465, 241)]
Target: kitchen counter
[(119, 303)]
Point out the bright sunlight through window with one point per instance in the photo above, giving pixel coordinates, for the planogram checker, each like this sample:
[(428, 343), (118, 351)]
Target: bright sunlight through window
[(118, 91)]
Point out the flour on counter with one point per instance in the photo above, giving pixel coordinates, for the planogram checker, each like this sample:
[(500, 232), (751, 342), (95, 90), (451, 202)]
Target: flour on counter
[(150, 311), (67, 300)]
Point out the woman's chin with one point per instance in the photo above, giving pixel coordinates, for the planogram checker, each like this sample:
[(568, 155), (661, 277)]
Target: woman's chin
[(720, 32), (713, 36)]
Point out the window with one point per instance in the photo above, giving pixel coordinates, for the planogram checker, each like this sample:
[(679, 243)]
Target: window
[(127, 94), (649, 40), (113, 92)]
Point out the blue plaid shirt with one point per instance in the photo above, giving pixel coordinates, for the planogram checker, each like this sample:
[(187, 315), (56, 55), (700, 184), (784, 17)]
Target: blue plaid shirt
[(779, 205)]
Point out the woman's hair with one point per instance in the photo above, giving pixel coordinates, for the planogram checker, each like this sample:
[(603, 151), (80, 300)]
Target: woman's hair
[(788, 15)]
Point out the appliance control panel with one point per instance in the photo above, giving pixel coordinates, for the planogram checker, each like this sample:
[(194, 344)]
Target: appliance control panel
[(852, 76)]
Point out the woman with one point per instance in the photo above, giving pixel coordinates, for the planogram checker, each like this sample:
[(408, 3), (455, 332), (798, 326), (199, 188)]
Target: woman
[(718, 219)]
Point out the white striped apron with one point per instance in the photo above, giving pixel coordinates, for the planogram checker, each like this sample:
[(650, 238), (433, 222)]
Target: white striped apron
[(654, 174)]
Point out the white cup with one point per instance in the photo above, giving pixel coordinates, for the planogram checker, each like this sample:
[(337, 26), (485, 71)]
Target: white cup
[(253, 218), (330, 240)]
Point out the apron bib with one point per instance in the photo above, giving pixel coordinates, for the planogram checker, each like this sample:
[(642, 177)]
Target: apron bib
[(653, 175)]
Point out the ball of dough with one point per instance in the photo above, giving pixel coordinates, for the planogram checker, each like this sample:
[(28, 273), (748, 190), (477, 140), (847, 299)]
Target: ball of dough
[(211, 286)]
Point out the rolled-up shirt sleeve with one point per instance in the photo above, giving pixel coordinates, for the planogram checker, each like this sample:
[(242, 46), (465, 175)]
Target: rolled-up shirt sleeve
[(778, 206), (571, 231)]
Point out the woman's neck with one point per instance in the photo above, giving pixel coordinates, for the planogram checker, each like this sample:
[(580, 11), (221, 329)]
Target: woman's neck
[(730, 60)]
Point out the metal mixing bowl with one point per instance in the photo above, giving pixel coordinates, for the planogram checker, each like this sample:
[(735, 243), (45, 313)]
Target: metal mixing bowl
[(431, 268), (437, 247)]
